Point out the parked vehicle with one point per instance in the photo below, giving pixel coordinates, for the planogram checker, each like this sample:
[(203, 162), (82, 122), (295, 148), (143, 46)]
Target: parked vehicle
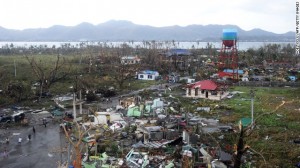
[(18, 117), (6, 119)]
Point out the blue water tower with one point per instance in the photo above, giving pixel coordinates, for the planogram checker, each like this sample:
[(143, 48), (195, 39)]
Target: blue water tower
[(229, 37)]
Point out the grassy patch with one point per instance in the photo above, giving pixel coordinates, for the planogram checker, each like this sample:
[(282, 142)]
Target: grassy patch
[(138, 84), (277, 116)]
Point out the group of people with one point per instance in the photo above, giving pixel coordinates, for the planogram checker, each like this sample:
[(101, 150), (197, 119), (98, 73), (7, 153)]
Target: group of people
[(29, 136), (5, 152)]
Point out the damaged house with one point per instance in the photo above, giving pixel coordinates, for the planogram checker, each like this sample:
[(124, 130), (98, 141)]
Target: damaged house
[(155, 136), (207, 89), (130, 59)]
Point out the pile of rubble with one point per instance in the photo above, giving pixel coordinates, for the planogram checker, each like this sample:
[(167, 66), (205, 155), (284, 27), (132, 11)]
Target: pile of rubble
[(152, 133)]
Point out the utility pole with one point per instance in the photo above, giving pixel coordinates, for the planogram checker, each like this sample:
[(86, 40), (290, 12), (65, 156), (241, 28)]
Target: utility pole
[(74, 106), (187, 116), (61, 160), (74, 98), (252, 108), (80, 101), (15, 68), (41, 89), (69, 154)]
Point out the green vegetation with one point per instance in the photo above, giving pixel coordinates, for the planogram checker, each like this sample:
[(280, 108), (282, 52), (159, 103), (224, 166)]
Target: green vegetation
[(276, 115), (276, 110), (76, 69), (138, 84)]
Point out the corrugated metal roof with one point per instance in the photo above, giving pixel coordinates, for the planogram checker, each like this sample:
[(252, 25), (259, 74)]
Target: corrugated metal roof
[(153, 144), (149, 72), (239, 71)]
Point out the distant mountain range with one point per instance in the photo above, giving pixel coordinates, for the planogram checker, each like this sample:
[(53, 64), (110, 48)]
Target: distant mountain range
[(124, 31)]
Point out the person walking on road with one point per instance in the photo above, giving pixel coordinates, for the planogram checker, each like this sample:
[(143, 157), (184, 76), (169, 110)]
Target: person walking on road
[(33, 129), (5, 153), (29, 137), (45, 122), (7, 140), (20, 140)]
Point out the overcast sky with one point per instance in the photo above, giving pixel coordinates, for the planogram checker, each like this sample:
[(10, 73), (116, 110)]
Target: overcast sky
[(277, 16)]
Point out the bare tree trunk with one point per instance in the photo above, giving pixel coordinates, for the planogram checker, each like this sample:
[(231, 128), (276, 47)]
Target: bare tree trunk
[(47, 77), (78, 156), (240, 150), (76, 145)]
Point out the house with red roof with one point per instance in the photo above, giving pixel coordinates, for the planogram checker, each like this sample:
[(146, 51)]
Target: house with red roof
[(207, 89)]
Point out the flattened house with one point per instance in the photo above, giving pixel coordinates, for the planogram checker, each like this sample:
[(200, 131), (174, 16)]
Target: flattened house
[(207, 89)]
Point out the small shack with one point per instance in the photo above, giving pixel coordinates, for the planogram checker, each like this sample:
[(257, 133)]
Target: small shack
[(148, 75)]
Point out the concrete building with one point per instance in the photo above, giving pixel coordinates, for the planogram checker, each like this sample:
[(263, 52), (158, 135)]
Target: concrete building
[(207, 89), (148, 75)]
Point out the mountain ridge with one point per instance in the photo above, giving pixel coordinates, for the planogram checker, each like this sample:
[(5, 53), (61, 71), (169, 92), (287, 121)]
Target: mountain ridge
[(122, 30)]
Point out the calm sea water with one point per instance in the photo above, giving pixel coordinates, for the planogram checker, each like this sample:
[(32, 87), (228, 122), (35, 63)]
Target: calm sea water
[(185, 45)]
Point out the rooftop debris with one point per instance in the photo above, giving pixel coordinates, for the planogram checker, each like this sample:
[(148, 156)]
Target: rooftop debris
[(152, 131), (152, 136)]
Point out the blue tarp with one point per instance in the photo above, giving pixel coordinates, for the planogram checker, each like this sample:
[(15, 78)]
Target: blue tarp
[(149, 72), (240, 72), (293, 78)]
